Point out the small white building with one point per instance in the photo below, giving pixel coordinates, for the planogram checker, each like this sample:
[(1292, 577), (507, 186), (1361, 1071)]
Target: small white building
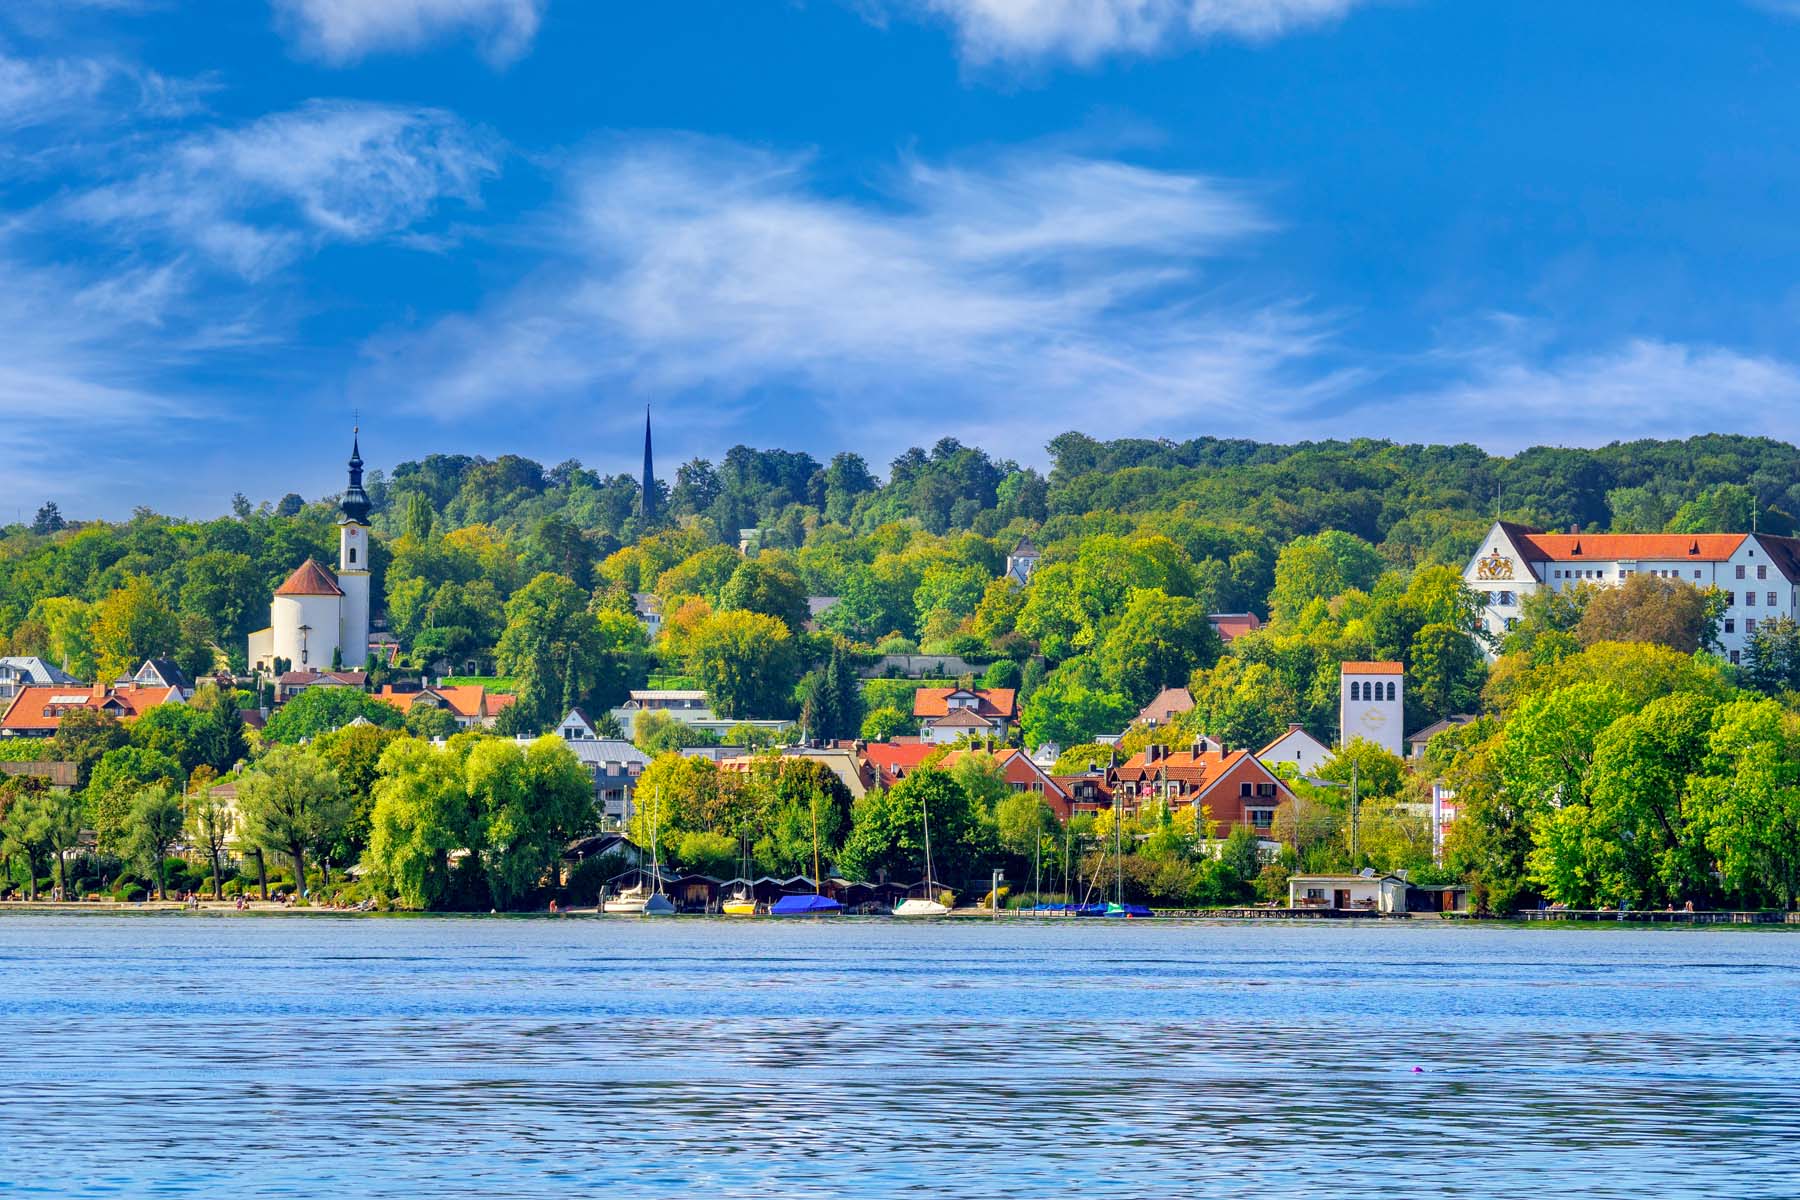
[(1372, 705), (1022, 562), (1365, 892), (1297, 747)]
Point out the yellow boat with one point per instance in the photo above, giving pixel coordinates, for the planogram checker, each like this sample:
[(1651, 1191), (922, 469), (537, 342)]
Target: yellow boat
[(745, 907)]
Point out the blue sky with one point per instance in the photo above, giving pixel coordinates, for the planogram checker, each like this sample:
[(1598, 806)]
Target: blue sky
[(506, 225)]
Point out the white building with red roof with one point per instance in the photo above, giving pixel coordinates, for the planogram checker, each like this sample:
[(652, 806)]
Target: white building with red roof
[(947, 714), (1758, 572), (319, 620)]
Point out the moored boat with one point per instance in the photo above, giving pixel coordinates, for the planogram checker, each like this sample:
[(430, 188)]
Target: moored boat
[(805, 906), (917, 906)]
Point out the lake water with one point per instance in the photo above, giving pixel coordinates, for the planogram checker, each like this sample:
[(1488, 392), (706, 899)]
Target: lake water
[(319, 1056)]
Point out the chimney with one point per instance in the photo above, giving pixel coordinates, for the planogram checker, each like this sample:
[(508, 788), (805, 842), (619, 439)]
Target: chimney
[(1573, 528)]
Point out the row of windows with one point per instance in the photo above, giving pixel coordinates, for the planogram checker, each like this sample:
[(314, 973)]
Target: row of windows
[(1750, 599), (1762, 572), (1262, 789), (1371, 691), (1749, 625)]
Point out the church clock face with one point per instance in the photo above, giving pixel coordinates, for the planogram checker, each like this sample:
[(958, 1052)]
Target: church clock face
[(1372, 719)]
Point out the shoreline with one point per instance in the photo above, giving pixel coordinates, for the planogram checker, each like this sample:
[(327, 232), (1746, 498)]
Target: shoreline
[(225, 909)]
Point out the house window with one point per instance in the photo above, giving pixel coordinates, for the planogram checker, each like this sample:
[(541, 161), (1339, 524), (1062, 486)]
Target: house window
[(1390, 691), (1696, 574), (1730, 625), (1243, 789), (1315, 893), (1749, 624), (1260, 818), (1740, 570), (353, 554), (1762, 572), (1771, 599), (1749, 599), (1265, 789), (1734, 658), (1730, 599)]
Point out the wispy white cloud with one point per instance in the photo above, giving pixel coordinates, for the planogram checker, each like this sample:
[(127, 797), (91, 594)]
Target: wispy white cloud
[(344, 31), (43, 91), (1507, 393), (254, 197), (1084, 31), (1032, 293)]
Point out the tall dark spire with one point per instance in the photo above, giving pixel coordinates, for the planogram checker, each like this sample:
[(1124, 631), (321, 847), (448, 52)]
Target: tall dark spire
[(649, 472), (356, 501)]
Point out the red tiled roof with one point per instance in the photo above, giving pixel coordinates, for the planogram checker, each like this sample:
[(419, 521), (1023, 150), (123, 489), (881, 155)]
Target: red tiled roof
[(893, 759), (26, 714), (470, 701), (1232, 625), (310, 579), (1371, 668), (1608, 547), (962, 718), (1167, 704), (990, 702)]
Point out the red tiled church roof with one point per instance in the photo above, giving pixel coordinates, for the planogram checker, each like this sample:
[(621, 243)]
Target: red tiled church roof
[(310, 579)]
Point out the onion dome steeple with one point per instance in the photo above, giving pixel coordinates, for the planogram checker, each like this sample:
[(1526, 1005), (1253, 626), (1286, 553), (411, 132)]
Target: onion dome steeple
[(355, 503)]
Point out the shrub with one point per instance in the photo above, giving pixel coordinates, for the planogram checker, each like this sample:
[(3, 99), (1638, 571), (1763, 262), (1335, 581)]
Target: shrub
[(590, 875)]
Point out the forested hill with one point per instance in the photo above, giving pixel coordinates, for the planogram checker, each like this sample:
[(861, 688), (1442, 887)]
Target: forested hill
[(1228, 503)]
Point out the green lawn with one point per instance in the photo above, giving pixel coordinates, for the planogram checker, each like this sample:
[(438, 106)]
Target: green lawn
[(493, 683)]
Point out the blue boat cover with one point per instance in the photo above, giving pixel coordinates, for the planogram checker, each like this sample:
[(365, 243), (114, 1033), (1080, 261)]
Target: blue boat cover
[(805, 906), (1127, 910)]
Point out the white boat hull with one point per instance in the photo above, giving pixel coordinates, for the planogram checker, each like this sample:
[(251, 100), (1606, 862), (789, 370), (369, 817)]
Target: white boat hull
[(917, 907)]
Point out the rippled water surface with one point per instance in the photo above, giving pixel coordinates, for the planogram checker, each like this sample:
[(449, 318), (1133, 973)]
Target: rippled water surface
[(321, 1056)]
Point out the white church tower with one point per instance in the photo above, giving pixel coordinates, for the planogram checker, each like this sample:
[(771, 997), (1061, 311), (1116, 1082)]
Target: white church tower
[(353, 564), (1372, 704)]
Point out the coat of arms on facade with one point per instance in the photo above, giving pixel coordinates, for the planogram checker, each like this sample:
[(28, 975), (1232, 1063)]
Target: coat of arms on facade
[(1494, 566)]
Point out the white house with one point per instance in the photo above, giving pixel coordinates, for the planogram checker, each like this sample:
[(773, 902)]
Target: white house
[(1298, 747), (319, 620), (1372, 704), (1367, 892), (1022, 562), (1758, 572)]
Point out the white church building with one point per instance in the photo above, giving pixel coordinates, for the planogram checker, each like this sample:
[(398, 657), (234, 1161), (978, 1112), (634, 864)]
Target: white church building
[(319, 620), (1758, 572)]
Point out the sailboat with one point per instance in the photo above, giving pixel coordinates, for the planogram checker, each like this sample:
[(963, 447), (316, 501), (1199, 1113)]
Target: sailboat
[(642, 901), (744, 903), (1118, 907), (923, 906)]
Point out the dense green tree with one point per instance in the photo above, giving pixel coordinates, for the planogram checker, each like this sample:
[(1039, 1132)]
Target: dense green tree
[(564, 653), (211, 821), (423, 812), (747, 663), (320, 710), (1649, 608), (767, 585), (1745, 804), (1073, 705), (887, 833), (131, 624), (1157, 642), (155, 825), (292, 801), (119, 778)]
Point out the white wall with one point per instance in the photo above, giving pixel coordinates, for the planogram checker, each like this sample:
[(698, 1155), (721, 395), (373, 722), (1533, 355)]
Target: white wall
[(1380, 721), (353, 577), (288, 613)]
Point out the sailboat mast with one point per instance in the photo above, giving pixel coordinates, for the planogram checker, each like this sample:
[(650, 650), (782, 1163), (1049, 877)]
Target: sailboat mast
[(925, 808), (817, 889), (1118, 854)]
